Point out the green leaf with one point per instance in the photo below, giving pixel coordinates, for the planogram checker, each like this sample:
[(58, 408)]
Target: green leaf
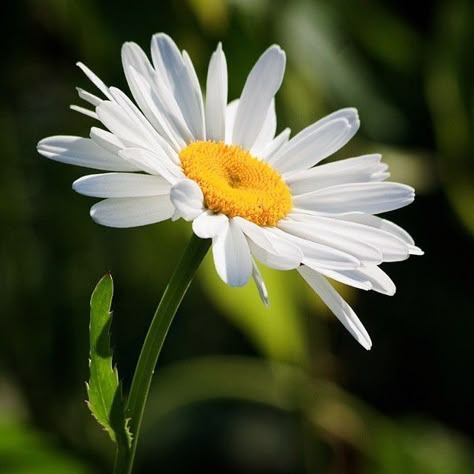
[(104, 390)]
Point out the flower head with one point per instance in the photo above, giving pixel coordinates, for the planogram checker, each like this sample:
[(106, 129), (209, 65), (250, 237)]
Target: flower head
[(258, 196)]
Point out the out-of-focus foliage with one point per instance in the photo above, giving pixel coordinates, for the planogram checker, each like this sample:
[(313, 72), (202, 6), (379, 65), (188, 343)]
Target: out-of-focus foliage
[(305, 398)]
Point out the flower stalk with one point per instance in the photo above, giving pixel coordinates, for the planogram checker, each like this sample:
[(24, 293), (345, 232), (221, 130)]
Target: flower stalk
[(161, 322)]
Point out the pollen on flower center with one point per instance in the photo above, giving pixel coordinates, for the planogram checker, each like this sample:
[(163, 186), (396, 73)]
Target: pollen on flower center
[(235, 183)]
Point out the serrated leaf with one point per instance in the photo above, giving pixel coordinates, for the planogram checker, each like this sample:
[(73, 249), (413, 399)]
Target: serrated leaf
[(104, 390)]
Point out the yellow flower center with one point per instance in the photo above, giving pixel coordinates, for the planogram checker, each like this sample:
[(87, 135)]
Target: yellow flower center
[(235, 183)]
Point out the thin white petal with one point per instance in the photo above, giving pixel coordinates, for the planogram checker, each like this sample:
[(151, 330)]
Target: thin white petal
[(349, 277), (94, 79), (84, 152), (370, 198), (88, 97), (275, 145), (142, 80), (179, 77), (379, 280), (318, 255), (230, 113), (121, 185), (187, 198), (267, 133), (208, 225), (132, 212), (337, 305), (318, 141), (216, 96), (152, 163), (261, 86), (352, 170), (106, 140), (384, 225), (323, 231), (84, 111), (152, 139), (392, 248), (272, 250), (260, 284), (232, 257)]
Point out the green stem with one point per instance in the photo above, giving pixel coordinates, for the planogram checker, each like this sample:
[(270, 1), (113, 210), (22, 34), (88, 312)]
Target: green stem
[(164, 314)]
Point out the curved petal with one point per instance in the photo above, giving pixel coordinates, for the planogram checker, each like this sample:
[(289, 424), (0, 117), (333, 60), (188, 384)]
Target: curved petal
[(267, 133), (152, 163), (106, 140), (337, 305), (94, 79), (208, 225), (232, 257), (318, 141), (390, 246), (369, 198), (180, 78), (216, 96), (272, 250), (187, 198), (261, 86), (121, 185), (386, 226), (275, 145), (230, 113), (83, 152), (132, 212), (260, 284), (351, 170), (323, 232)]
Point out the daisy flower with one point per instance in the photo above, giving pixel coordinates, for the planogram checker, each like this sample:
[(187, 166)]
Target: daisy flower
[(259, 196)]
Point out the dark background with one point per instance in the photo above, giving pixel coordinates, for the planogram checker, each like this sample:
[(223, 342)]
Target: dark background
[(241, 389)]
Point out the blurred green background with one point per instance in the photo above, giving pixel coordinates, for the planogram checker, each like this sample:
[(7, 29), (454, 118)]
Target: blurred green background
[(239, 388)]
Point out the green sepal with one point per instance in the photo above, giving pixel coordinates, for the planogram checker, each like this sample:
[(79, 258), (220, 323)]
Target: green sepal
[(105, 399)]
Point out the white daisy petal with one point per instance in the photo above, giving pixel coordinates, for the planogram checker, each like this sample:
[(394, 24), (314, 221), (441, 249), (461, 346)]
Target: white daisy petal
[(337, 305), (208, 225), (106, 140), (187, 198), (349, 277), (324, 233), (380, 281), (392, 248), (351, 170), (230, 113), (370, 198), (260, 284), (267, 133), (270, 249), (160, 111), (261, 86), (316, 142), (94, 79), (88, 97), (121, 185), (132, 212), (216, 96), (232, 257), (152, 163), (318, 255), (83, 152), (384, 225), (275, 145), (179, 77), (142, 81), (150, 136), (84, 111)]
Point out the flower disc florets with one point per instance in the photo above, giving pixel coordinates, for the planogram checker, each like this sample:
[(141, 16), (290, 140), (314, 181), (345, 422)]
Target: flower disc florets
[(235, 183)]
